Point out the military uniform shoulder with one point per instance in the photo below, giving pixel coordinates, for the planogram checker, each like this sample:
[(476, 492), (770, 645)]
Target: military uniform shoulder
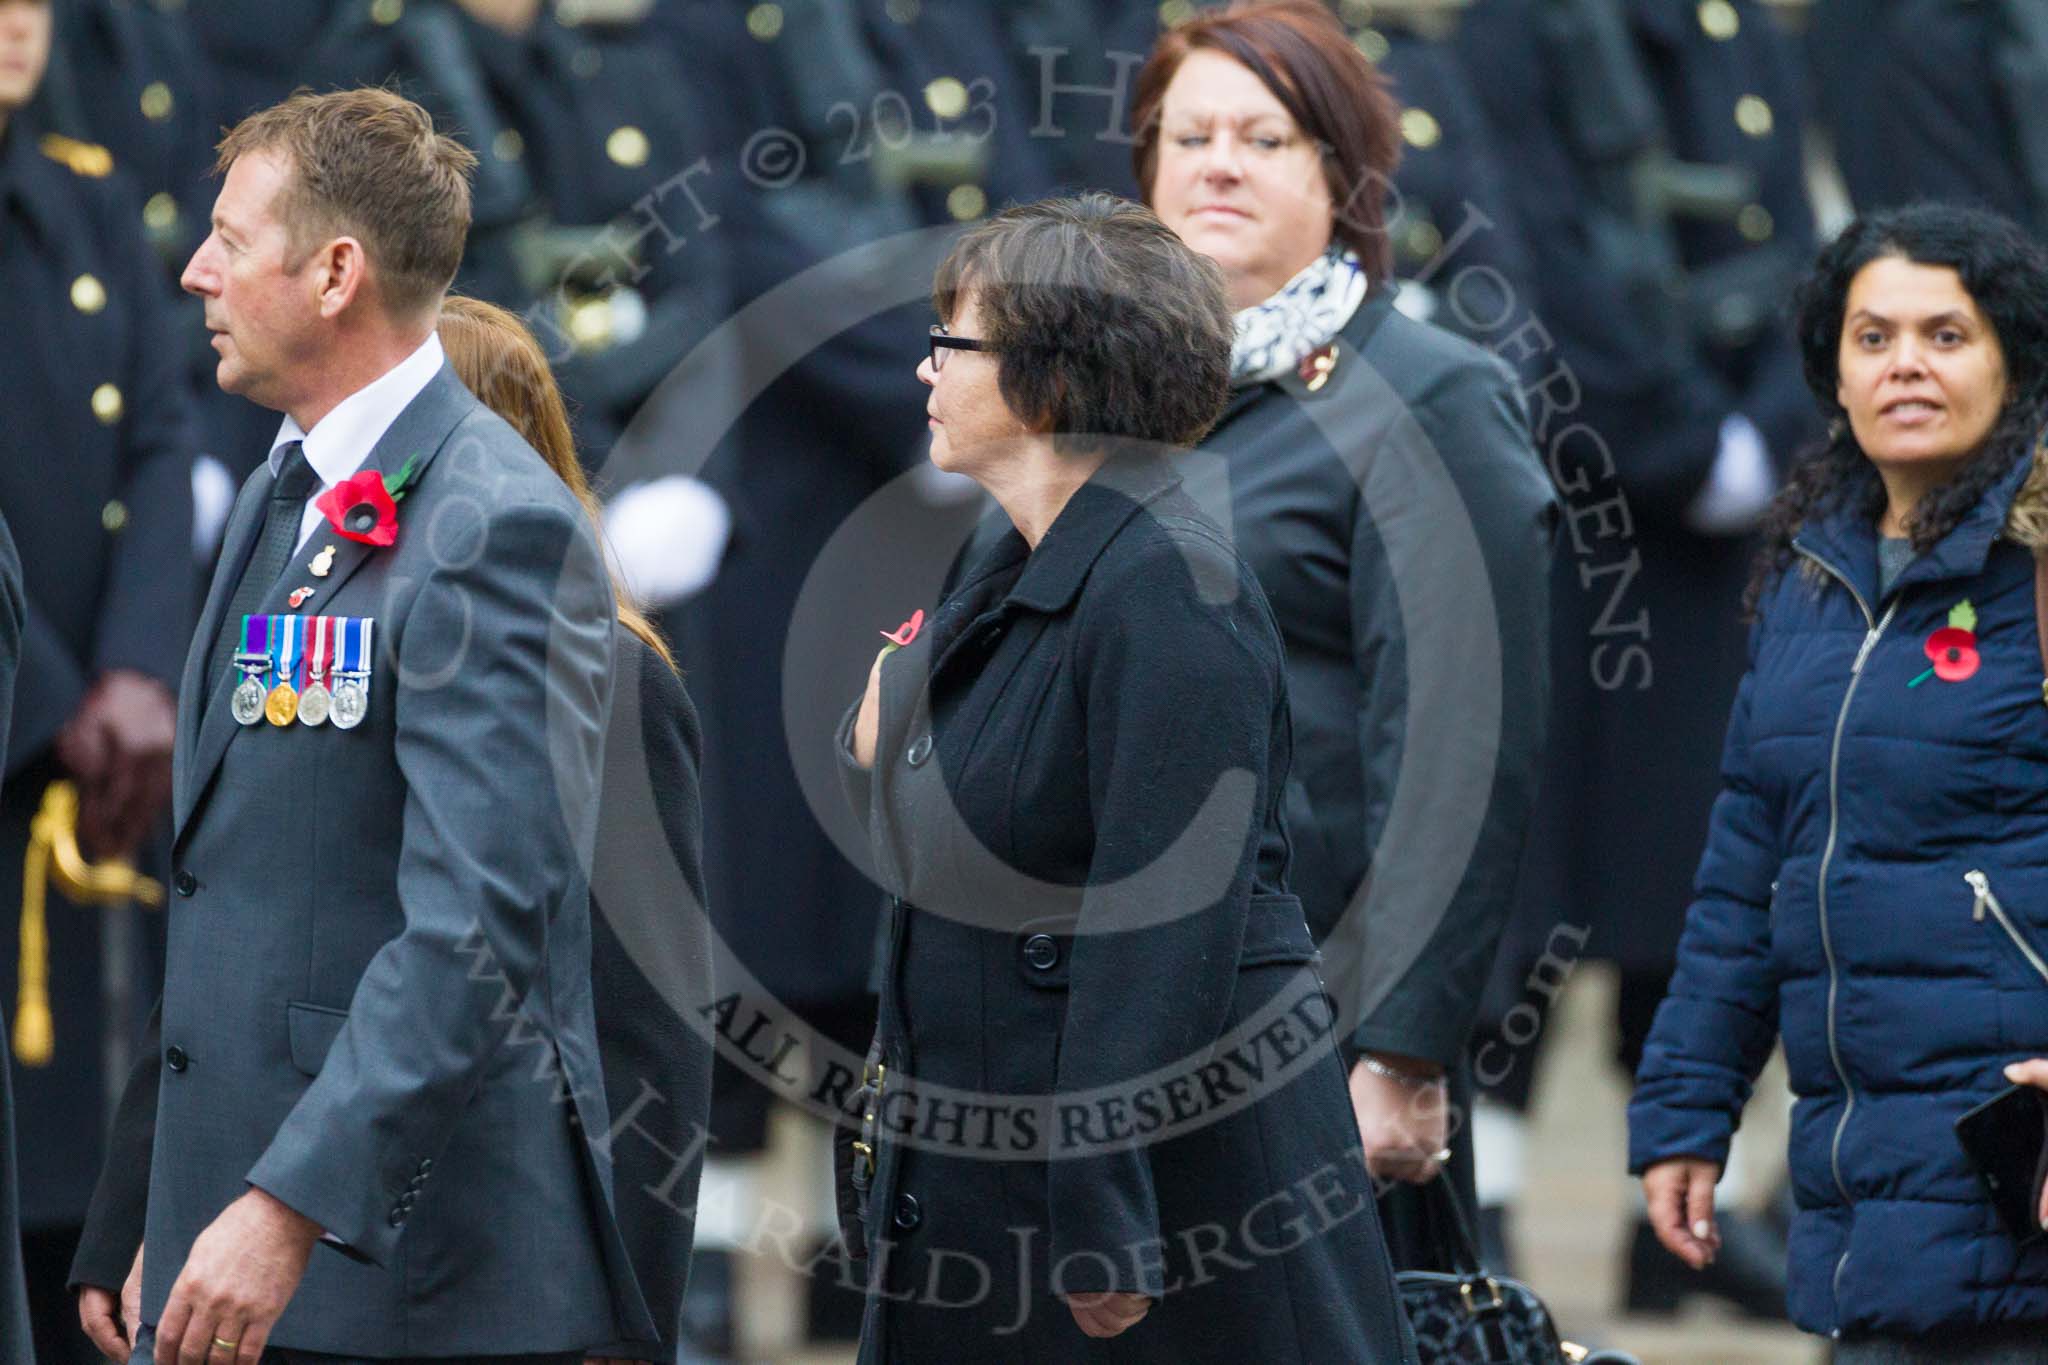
[(87, 159)]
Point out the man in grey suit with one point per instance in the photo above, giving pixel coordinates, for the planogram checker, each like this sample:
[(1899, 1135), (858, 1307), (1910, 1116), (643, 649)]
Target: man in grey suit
[(377, 1056)]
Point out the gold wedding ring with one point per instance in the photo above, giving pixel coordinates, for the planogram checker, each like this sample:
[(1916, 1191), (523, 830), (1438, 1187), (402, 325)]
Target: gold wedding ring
[(220, 1345)]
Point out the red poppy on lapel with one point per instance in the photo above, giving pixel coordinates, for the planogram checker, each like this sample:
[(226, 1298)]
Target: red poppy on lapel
[(364, 506), (359, 508), (906, 632)]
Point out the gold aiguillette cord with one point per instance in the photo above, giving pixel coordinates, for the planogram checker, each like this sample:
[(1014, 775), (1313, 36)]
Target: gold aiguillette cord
[(53, 854)]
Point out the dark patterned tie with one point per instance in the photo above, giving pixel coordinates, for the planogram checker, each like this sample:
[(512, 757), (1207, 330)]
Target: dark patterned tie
[(274, 546)]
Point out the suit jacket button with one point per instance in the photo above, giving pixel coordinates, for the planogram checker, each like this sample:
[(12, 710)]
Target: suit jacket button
[(186, 883), (920, 750), (908, 1214), (175, 1058), (397, 1217), (1042, 951)]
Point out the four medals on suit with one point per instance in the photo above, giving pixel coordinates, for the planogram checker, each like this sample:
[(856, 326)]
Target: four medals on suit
[(308, 670)]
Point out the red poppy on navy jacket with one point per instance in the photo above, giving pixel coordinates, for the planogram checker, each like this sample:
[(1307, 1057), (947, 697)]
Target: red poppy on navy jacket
[(1865, 822)]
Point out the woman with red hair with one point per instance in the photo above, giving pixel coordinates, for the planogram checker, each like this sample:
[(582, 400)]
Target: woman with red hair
[(1382, 484)]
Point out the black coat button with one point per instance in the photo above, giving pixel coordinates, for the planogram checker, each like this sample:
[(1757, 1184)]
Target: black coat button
[(427, 1166), (920, 750), (397, 1218), (186, 883), (1042, 951), (908, 1214), (175, 1058)]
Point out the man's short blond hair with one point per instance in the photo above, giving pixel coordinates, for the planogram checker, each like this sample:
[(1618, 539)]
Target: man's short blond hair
[(367, 164)]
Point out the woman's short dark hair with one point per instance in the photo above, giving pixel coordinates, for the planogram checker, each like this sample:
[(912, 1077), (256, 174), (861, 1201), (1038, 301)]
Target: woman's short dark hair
[(1336, 96), (2005, 272), (1105, 323)]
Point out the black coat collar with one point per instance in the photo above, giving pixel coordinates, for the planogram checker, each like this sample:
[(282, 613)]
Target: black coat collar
[(1054, 573)]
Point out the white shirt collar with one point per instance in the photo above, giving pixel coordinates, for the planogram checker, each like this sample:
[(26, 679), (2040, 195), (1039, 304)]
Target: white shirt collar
[(341, 441)]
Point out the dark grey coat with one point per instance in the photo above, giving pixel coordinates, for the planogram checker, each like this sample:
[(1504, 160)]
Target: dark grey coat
[(15, 1345), (1401, 523), (650, 972), (1107, 1048)]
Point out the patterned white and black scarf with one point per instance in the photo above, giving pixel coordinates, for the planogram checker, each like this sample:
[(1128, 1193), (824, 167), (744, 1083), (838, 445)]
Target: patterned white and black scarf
[(1310, 309)]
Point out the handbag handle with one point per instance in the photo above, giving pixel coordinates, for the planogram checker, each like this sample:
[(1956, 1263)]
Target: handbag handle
[(1453, 1225)]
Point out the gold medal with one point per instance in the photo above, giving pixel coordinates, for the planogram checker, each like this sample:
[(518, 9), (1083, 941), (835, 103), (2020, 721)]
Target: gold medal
[(281, 707)]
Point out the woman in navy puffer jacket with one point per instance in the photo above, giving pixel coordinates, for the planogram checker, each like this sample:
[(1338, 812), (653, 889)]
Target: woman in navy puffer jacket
[(1875, 883)]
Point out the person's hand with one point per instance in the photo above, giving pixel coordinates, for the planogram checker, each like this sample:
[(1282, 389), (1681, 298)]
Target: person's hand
[(1404, 1124), (2034, 1073), (131, 1298), (99, 1314), (109, 1319), (1108, 1315), (867, 726), (242, 1271), (1680, 1193), (118, 747)]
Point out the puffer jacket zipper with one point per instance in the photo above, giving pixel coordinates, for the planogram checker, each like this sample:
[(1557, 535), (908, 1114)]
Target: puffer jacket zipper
[(1874, 629), (1988, 900)]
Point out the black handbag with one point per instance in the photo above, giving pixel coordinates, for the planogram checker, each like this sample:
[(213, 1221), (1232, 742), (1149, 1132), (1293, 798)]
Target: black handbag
[(1467, 1317)]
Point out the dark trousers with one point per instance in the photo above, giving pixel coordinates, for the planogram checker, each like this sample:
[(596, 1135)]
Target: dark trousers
[(53, 1309), (1641, 991)]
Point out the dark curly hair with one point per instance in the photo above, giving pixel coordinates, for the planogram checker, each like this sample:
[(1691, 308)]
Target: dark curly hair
[(1106, 324), (2006, 273)]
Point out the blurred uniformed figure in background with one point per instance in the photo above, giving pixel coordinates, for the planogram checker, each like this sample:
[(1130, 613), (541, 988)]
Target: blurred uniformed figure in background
[(1937, 99), (1461, 266), (95, 480), (130, 75), (1655, 164)]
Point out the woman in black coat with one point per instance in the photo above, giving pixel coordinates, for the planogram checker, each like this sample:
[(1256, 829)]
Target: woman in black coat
[(1107, 1120), (1378, 475)]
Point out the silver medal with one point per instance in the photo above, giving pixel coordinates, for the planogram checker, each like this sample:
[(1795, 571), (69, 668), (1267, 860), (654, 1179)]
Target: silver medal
[(248, 700), (314, 704), (351, 703)]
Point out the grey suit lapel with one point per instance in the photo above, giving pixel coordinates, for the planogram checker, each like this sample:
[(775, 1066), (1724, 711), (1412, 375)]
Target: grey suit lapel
[(418, 433), (245, 522)]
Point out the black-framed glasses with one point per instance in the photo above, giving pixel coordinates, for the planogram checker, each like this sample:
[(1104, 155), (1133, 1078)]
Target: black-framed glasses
[(944, 341)]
